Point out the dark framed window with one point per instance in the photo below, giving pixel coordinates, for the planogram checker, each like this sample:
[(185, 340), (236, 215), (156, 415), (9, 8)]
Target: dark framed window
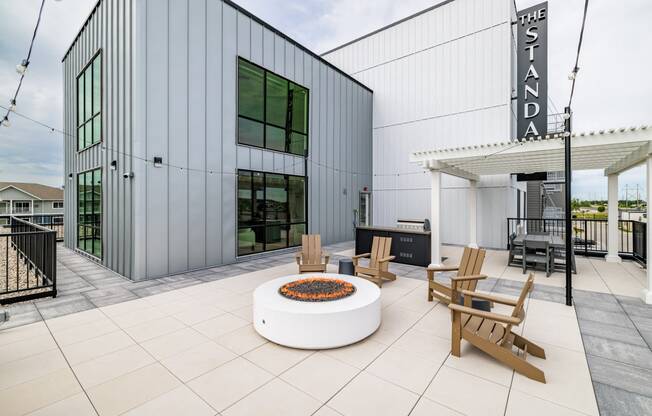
[(271, 211), (272, 110), (89, 212), (89, 104)]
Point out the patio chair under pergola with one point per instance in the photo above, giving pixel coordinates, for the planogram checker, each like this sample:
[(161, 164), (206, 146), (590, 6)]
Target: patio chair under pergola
[(614, 150)]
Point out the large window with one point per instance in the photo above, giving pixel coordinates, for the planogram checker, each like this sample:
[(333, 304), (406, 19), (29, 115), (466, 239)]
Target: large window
[(272, 111), (271, 211), (89, 104), (89, 212)]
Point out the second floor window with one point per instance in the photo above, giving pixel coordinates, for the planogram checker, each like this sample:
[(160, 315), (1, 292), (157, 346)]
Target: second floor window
[(272, 111), (89, 104)]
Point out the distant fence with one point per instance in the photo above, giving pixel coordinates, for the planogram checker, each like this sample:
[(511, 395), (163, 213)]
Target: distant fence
[(28, 265), (590, 235), (51, 221)]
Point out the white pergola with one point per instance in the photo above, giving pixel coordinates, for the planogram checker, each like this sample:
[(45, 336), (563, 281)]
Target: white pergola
[(614, 150)]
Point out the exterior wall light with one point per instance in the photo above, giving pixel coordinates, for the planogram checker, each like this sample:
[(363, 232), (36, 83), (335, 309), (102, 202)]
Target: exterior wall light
[(158, 161), (114, 165)]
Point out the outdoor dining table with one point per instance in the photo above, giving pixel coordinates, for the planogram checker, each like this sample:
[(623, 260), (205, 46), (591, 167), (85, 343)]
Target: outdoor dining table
[(556, 243)]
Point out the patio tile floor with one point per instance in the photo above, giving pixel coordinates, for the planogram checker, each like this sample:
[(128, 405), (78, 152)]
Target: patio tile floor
[(186, 343)]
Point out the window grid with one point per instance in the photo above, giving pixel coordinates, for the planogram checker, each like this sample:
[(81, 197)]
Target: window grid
[(288, 129), (263, 227), (89, 212), (89, 104)]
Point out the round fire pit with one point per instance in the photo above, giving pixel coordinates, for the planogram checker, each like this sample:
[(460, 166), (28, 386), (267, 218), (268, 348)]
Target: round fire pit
[(317, 289), (316, 311)]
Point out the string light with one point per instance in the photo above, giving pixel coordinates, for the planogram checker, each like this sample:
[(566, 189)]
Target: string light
[(21, 68)]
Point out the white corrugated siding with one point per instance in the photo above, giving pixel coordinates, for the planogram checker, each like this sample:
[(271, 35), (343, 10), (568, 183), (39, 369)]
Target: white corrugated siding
[(441, 78)]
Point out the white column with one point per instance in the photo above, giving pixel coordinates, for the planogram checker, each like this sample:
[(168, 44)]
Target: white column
[(473, 214), (647, 293), (11, 206), (435, 221), (612, 220)]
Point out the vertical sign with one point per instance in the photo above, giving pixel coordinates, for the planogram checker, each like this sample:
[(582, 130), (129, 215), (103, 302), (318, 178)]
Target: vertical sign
[(532, 70)]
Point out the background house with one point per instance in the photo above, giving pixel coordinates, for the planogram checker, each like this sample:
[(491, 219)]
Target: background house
[(30, 199)]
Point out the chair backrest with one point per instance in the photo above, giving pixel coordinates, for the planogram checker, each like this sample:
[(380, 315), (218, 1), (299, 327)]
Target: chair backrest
[(380, 248), (470, 265), (519, 309), (311, 248)]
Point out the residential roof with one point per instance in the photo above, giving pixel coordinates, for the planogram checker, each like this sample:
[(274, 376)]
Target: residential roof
[(44, 192), (614, 150), (253, 17)]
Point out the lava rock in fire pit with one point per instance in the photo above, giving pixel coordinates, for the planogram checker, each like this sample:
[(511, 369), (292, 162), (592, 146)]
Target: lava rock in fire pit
[(317, 290)]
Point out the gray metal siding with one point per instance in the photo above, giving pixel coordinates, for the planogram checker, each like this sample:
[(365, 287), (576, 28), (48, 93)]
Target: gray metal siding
[(185, 110), (109, 29)]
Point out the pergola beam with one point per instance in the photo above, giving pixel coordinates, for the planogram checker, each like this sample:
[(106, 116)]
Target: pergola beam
[(634, 158)]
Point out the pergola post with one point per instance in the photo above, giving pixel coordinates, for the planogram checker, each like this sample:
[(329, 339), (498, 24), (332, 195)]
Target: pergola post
[(473, 212), (435, 214), (647, 293), (612, 220)]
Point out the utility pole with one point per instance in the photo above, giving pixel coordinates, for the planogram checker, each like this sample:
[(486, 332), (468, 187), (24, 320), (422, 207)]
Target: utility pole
[(569, 224)]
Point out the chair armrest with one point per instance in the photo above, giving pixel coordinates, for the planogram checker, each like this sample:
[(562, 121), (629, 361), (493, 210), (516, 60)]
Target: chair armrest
[(486, 296), (487, 315), (466, 278), (442, 268), (359, 256), (386, 259)]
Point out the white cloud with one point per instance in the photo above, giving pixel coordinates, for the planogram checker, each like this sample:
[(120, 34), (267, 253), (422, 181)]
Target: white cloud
[(611, 88)]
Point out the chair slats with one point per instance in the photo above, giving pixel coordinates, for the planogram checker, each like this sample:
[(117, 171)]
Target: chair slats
[(311, 254), (496, 338), (470, 265), (376, 270)]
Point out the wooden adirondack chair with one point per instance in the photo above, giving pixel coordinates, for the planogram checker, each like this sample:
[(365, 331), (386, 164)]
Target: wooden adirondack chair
[(311, 258), (378, 269), (492, 332), (468, 274)]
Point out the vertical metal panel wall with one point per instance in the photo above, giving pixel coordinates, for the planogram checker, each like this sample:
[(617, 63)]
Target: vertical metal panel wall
[(183, 108), (441, 78), (109, 29)]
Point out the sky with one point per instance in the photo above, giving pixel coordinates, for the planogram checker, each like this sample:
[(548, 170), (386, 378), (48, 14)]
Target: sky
[(613, 87)]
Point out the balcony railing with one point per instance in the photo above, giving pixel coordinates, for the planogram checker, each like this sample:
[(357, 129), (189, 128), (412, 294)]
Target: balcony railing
[(590, 235), (50, 221), (28, 264)]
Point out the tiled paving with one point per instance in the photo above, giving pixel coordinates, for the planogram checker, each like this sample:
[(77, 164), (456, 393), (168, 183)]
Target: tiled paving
[(193, 350), (181, 345)]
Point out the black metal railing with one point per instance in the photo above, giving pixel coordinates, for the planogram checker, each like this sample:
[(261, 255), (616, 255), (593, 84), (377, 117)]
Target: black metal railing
[(50, 221), (589, 235), (28, 261)]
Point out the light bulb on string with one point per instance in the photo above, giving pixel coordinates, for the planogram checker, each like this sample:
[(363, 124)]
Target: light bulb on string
[(22, 67), (6, 122), (12, 105)]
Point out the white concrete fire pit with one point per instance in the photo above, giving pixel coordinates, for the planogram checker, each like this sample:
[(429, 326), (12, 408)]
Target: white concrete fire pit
[(316, 310)]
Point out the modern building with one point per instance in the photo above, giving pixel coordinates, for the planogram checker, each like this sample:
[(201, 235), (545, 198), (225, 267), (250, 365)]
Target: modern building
[(197, 133), (444, 77), (30, 199)]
